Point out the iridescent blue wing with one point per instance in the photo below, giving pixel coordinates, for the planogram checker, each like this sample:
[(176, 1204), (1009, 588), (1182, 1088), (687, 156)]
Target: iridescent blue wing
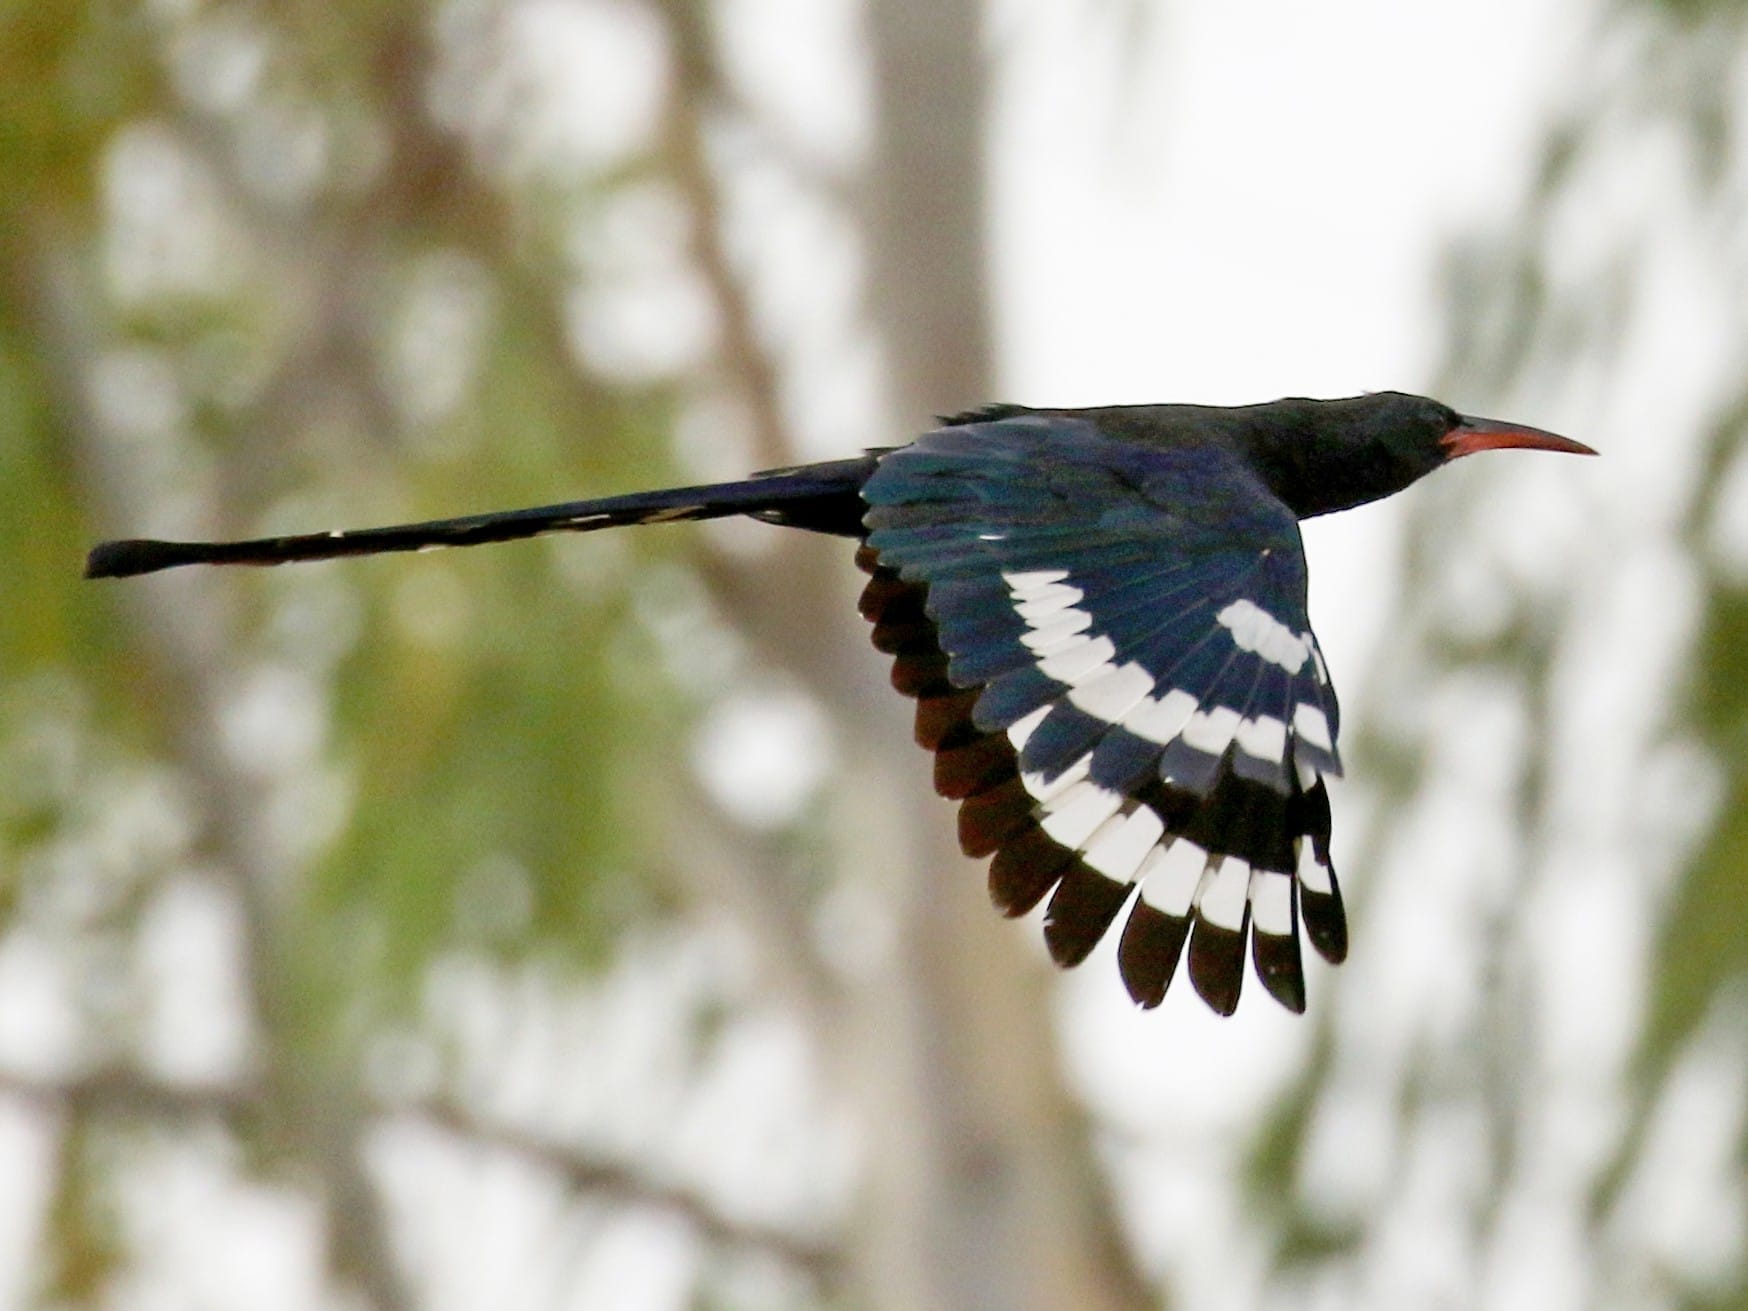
[(1112, 659)]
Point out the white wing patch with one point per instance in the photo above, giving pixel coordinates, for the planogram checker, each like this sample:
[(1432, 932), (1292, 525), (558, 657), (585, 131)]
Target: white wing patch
[(1224, 891), (1122, 842), (1161, 719), (1080, 660), (1021, 729), (1074, 816), (1114, 693), (1170, 876), (1255, 629), (1311, 724), (1271, 902), (1070, 650), (1264, 737), (1033, 580), (1120, 838)]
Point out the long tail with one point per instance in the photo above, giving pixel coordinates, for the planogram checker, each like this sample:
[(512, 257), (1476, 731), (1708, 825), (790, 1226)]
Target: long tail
[(821, 497)]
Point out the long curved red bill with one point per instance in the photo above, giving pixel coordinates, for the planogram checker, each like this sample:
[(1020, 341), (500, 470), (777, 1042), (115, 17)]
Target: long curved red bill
[(1474, 434)]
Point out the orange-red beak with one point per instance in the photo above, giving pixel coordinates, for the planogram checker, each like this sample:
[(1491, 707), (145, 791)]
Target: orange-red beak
[(1474, 434)]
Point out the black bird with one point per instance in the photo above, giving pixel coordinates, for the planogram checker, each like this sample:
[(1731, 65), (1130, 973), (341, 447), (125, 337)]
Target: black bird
[(1101, 614)]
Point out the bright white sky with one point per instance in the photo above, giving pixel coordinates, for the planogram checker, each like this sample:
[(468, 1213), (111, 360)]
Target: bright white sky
[(1257, 205)]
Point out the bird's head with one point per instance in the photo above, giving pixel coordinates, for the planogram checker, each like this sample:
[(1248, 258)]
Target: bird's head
[(1360, 448)]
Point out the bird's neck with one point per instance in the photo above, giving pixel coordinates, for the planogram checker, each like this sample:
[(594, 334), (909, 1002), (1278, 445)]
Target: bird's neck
[(1316, 471), (1316, 456)]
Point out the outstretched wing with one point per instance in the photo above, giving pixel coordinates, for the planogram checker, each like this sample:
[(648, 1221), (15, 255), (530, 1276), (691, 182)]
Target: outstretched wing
[(1112, 660)]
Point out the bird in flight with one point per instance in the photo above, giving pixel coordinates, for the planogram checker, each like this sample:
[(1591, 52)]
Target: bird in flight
[(1101, 615)]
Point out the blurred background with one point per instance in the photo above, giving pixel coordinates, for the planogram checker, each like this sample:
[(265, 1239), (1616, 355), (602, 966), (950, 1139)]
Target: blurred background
[(570, 923)]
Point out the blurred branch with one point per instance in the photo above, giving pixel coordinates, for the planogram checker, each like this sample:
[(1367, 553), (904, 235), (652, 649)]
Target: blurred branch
[(117, 1091), (628, 1186)]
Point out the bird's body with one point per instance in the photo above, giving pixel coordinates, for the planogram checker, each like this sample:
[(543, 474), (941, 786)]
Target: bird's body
[(1102, 616)]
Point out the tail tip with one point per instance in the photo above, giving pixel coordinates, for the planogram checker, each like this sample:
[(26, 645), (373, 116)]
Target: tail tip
[(129, 556)]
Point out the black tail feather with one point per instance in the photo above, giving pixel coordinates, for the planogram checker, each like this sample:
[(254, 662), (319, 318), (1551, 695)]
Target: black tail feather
[(820, 497)]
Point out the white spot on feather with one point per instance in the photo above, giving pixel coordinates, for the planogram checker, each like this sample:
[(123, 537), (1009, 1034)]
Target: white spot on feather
[(1114, 692), (1034, 580), (1075, 816), (1264, 737), (1271, 902), (1023, 728), (1046, 602), (1211, 730), (1122, 843), (1170, 876), (1066, 625), (1224, 890), (1309, 723), (1047, 791), (1078, 662), (1161, 719), (1255, 629)]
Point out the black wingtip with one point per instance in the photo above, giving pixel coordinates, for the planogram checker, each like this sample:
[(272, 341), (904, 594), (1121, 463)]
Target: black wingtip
[(1083, 907), (1216, 961), (1026, 867), (1275, 957), (1148, 953), (1325, 923)]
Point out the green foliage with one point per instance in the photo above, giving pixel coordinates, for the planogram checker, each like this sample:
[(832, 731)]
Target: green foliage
[(70, 72), (490, 721), (494, 749), (501, 753), (1703, 940), (38, 523)]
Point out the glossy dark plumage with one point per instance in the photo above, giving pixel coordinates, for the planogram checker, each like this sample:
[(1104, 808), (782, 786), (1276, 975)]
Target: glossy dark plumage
[(1101, 615)]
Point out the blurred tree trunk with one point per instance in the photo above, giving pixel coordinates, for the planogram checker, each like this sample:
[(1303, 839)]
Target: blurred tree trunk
[(981, 1190)]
